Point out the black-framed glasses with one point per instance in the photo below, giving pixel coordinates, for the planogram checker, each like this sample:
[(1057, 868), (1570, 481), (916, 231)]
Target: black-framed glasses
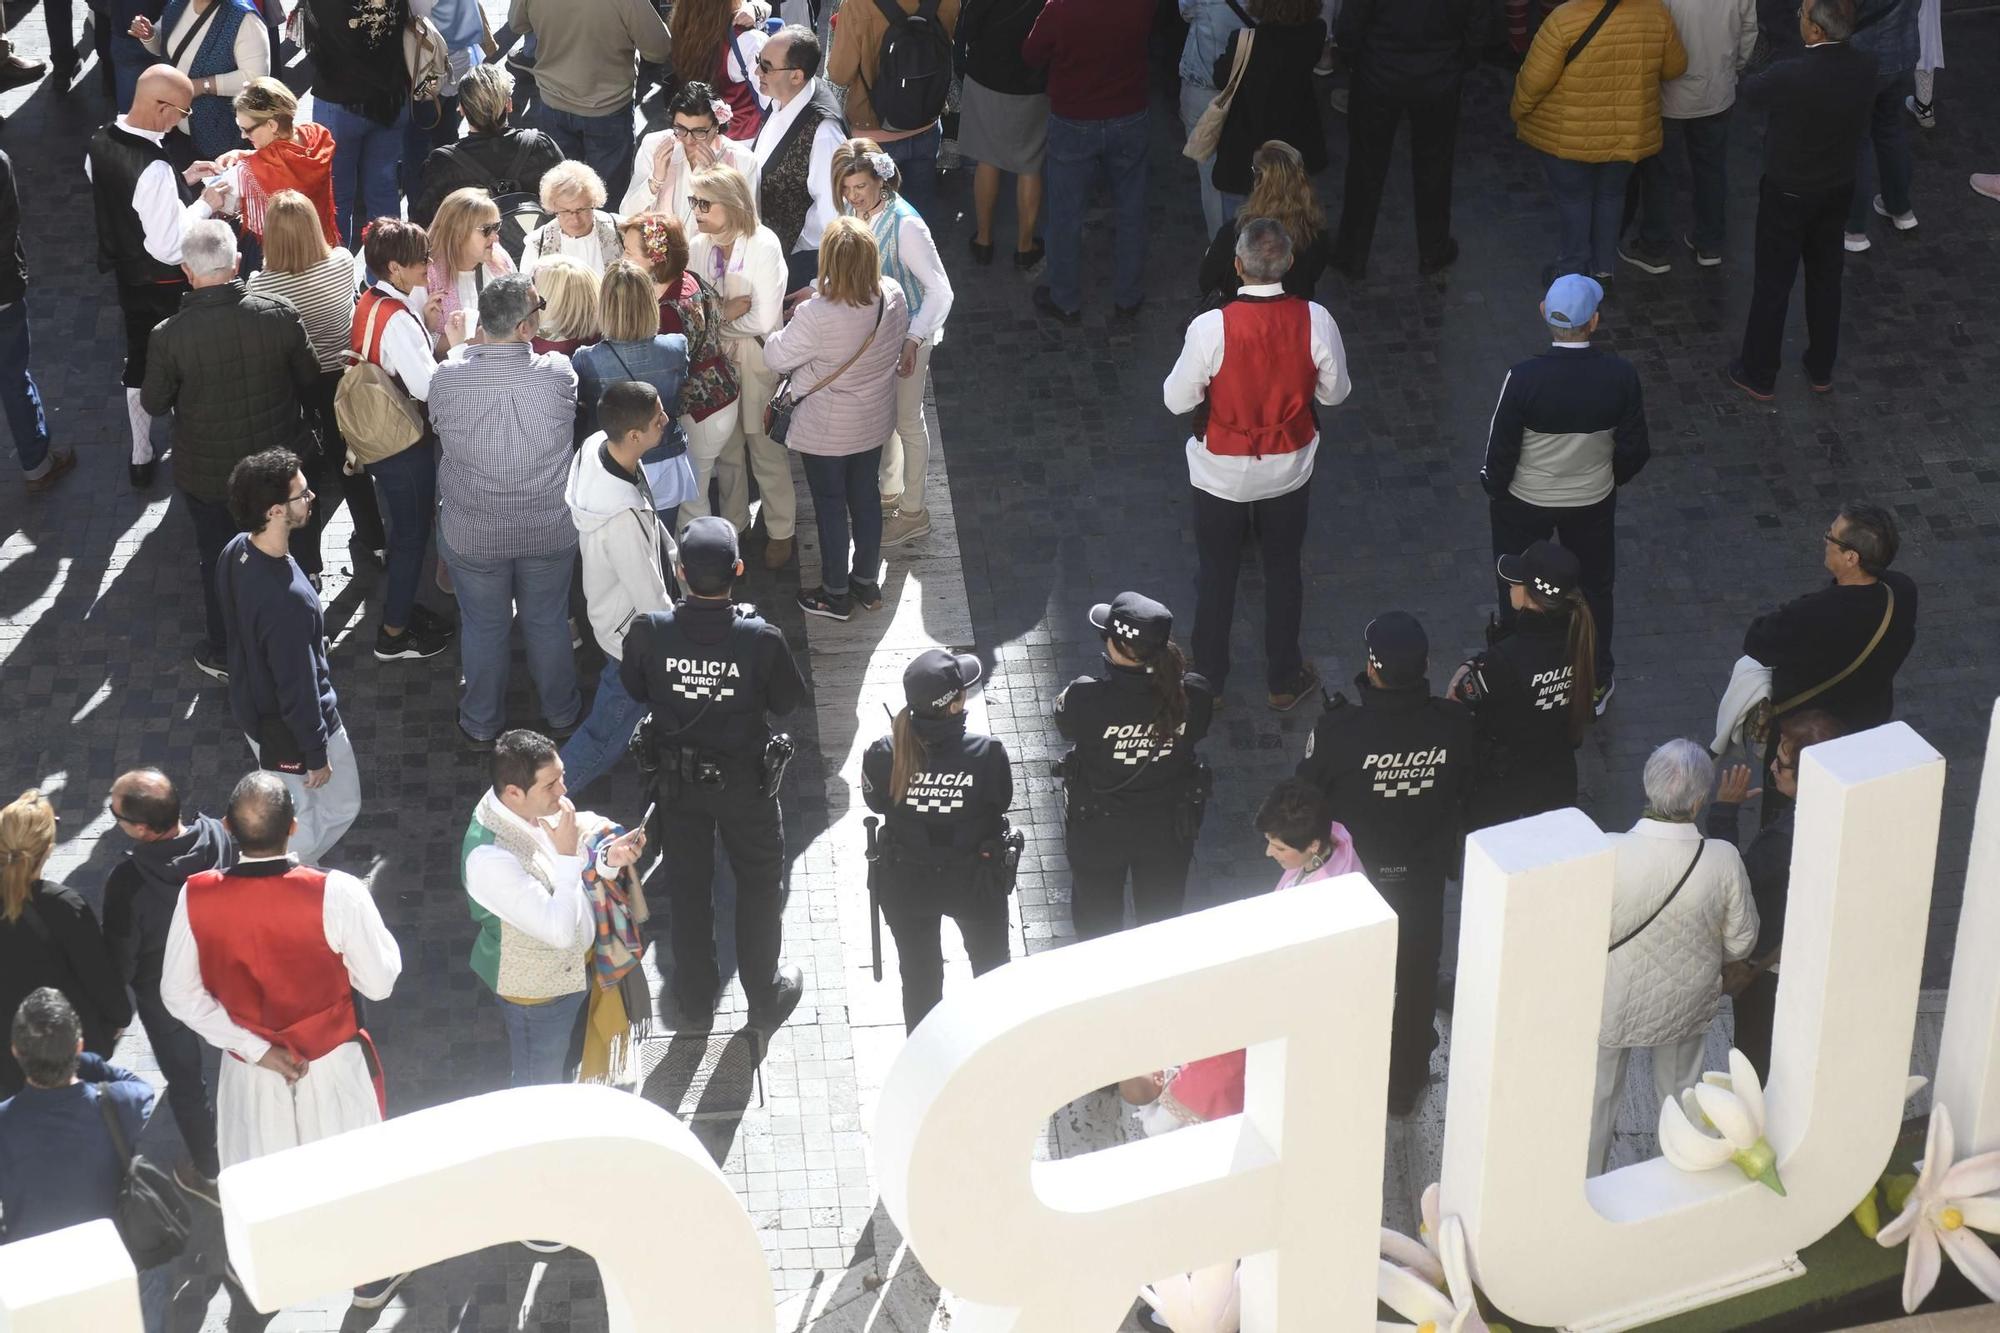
[(305, 494), (582, 210), (692, 132), (700, 205), (541, 302), (766, 67), (490, 230), (1833, 540)]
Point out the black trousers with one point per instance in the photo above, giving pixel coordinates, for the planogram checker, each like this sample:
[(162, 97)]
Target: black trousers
[(179, 1052), (1104, 852), (328, 478), (1795, 230), (753, 837), (144, 305), (914, 903), (1371, 135), (1756, 1009), (1221, 528), (1589, 532), (1419, 906), (213, 527)]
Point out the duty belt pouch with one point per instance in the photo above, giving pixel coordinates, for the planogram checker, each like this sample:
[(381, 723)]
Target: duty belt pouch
[(998, 861), (778, 752), (1193, 806)]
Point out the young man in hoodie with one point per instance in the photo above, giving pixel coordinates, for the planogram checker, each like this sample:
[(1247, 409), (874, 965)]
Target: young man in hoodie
[(139, 900), (619, 536)]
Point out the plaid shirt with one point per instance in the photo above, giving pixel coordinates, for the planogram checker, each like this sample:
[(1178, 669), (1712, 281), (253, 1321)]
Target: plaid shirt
[(506, 421)]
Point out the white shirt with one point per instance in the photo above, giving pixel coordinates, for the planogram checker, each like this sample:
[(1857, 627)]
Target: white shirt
[(157, 201), (406, 343), (827, 138), (353, 929), (648, 194), (586, 249), (918, 251), (498, 882), (1246, 479)]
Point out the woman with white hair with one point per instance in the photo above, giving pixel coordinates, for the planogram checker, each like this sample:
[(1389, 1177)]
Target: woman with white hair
[(1680, 909), (580, 229)]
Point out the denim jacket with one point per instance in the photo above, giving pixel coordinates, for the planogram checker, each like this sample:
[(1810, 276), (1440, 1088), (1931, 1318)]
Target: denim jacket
[(1209, 24)]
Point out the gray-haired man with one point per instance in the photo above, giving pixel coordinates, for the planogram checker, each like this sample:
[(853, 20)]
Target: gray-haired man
[(505, 417), (1250, 372), (231, 366)]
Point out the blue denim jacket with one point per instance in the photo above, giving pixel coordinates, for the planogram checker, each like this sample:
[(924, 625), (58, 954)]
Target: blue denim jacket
[(662, 363), (1209, 24)]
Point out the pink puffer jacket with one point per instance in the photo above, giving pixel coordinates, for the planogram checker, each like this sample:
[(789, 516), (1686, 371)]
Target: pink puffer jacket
[(857, 411)]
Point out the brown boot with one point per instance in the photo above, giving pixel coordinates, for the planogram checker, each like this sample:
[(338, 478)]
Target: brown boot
[(778, 552)]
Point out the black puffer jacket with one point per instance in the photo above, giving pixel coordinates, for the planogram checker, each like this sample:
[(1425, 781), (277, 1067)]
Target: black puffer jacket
[(1412, 50), (231, 367), (1275, 101), (510, 162)]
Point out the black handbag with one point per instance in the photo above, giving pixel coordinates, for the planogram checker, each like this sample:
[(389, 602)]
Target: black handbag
[(778, 412), (152, 1215)]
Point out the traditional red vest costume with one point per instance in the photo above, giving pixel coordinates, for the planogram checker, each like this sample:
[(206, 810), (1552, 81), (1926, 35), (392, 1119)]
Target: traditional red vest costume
[(261, 935), (1261, 402)]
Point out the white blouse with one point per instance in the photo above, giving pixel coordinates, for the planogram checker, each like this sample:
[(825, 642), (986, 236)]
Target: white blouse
[(755, 268), (669, 195), (253, 52)]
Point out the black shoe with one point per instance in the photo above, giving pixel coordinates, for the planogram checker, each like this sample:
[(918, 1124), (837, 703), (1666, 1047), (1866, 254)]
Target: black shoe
[(1297, 690), (142, 474), (1647, 258), (867, 596), (415, 643), (65, 73), (362, 554), (1027, 259), (567, 730), (211, 662), (1735, 374), (1444, 260), (433, 624), (18, 73), (375, 1295), (982, 254), (473, 742), (1047, 305), (696, 1012), (785, 992), (820, 602), (1127, 314)]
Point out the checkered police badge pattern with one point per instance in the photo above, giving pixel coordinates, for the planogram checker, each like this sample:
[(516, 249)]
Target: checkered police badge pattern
[(934, 805), (1124, 629), (1403, 787), (690, 689)]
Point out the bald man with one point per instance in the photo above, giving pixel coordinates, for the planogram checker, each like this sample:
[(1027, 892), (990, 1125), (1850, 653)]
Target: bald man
[(144, 204), (139, 898)]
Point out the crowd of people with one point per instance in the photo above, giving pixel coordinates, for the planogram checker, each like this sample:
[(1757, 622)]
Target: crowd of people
[(557, 372)]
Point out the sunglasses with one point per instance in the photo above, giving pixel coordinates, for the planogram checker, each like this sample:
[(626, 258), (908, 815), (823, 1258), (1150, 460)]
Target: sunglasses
[(490, 230), (766, 67), (700, 205), (1835, 541)]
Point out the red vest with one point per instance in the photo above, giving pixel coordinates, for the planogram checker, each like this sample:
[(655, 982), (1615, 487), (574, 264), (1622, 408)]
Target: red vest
[(1261, 402), (262, 941)]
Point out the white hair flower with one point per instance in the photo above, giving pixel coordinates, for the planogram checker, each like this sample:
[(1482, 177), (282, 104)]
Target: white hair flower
[(882, 165), (1950, 1200), (721, 110), (1207, 1300)]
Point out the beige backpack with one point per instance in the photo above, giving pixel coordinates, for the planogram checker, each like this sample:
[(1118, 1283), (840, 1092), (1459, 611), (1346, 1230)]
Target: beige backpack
[(377, 418)]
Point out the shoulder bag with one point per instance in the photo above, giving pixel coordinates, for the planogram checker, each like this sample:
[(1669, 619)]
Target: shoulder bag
[(151, 1213), (1700, 847), (1207, 131), (778, 412), (1596, 25), (1764, 714)]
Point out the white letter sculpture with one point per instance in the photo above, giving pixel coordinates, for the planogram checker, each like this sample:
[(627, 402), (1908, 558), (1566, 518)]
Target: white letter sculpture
[(70, 1280), (1968, 1071), (1293, 1186), (1638, 1244)]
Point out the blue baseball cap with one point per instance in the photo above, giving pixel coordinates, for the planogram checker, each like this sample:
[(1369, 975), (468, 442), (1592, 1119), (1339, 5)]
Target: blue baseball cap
[(1572, 300)]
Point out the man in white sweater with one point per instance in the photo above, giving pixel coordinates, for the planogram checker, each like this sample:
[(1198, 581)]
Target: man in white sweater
[(1680, 909), (619, 537)]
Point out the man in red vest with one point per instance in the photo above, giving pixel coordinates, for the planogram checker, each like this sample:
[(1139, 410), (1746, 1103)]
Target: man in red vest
[(1250, 372), (263, 960)]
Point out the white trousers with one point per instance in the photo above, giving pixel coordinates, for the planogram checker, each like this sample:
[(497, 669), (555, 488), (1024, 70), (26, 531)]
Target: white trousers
[(907, 456), (1676, 1065), (324, 813), (707, 440), (257, 1112)]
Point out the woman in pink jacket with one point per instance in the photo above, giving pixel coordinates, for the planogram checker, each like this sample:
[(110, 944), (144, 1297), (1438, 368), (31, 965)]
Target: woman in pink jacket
[(842, 351)]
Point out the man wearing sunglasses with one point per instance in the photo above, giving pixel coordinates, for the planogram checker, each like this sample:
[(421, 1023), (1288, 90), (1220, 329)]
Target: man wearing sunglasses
[(794, 148), (143, 209)]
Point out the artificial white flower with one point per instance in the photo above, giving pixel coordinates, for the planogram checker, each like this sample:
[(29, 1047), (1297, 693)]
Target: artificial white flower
[(1950, 1199), (1429, 1283), (1207, 1300), (1733, 1105)]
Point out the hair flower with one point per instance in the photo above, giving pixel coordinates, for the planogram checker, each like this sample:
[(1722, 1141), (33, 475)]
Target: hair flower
[(721, 110), (882, 165)]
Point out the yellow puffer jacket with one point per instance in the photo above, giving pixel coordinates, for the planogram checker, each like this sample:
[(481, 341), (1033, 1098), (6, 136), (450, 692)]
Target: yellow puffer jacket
[(1605, 107)]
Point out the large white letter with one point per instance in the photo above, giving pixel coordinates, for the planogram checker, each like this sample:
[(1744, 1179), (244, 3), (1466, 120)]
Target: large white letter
[(507, 1166), (1302, 978), (1968, 1072), (69, 1280), (1640, 1243)]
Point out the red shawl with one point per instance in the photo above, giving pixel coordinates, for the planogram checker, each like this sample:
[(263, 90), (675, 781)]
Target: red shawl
[(304, 163)]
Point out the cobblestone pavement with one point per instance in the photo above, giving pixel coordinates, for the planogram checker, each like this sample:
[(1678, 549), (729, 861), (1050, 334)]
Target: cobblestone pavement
[(1066, 483)]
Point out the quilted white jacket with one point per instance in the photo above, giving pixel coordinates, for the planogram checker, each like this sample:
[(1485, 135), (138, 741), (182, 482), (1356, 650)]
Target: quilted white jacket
[(1664, 985)]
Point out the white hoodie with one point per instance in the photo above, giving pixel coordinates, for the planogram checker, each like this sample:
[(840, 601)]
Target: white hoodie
[(619, 535)]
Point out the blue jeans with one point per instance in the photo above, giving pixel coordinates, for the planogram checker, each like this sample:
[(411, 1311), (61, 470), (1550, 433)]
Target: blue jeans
[(1590, 207), (1077, 149), (19, 397), (841, 487), (606, 142), (1195, 98), (406, 485), (420, 136), (595, 748), (365, 155), (1707, 141), (1889, 135), (916, 168), (538, 1037), (129, 59), (490, 591)]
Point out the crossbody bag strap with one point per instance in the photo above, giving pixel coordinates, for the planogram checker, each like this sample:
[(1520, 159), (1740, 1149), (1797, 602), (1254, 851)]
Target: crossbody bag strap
[(110, 1114), (1576, 47), (1237, 10), (1700, 847), (193, 34), (881, 303), (1881, 631), (1242, 62)]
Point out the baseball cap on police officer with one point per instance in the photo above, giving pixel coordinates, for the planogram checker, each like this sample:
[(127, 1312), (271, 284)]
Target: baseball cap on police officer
[(932, 681), (1398, 648), (708, 551), (1138, 623), (1550, 571), (1572, 300)]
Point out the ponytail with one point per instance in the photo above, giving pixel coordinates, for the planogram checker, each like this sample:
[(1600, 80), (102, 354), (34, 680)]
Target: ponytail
[(1166, 667), (907, 754), (1583, 666)]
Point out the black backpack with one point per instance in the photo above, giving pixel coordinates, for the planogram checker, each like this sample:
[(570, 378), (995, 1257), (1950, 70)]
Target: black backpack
[(520, 209), (912, 68), (152, 1215)]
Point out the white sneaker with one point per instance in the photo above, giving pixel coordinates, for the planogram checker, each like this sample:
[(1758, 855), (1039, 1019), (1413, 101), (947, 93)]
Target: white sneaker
[(1921, 112), (1856, 242), (1903, 221), (1988, 185), (903, 528)]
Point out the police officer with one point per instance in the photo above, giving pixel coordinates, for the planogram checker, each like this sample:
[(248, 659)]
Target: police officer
[(1135, 789), (711, 671), (1399, 769), (944, 795), (1530, 691)]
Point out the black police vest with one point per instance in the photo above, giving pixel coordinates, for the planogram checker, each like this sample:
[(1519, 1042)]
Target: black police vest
[(1527, 678), (707, 694), (948, 808), (118, 158), (1110, 720)]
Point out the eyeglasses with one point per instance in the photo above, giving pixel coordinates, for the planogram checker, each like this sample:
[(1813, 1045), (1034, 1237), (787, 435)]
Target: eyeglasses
[(305, 494), (700, 205), (1835, 541), (490, 230), (177, 110), (690, 132), (766, 67), (585, 211)]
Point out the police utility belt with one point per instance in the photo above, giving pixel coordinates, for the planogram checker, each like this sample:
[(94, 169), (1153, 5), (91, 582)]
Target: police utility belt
[(1188, 800), (675, 766), (992, 866)]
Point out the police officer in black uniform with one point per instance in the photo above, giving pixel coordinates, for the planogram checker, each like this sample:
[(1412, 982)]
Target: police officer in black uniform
[(1530, 691), (944, 794), (1399, 769), (711, 671), (1135, 789)]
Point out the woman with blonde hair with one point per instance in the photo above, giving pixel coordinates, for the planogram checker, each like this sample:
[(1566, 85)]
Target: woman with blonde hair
[(285, 153), (864, 180), (465, 252), (635, 349), (1279, 190), (49, 937), (842, 350), (745, 263), (580, 228), (569, 306)]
